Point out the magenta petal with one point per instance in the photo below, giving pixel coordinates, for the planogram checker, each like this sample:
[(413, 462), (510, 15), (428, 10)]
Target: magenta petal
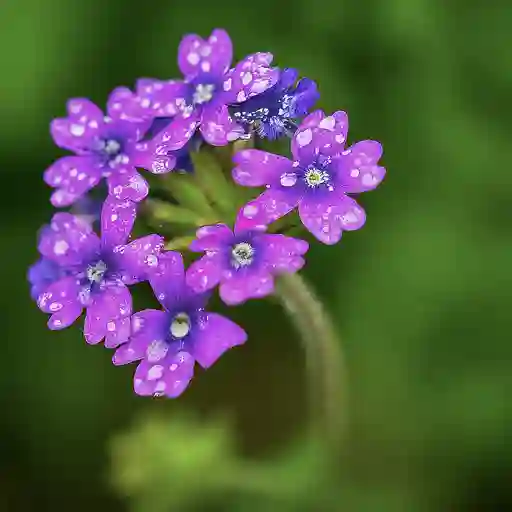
[(79, 130), (66, 316), (217, 126), (152, 157), (331, 135), (169, 377), (73, 176), (216, 335), (179, 132), (147, 339), (212, 56), (211, 238), (267, 208), (326, 219), (168, 278), (110, 304), (240, 288), (118, 331), (357, 167), (283, 253), (161, 98), (139, 257), (59, 295), (127, 183), (255, 168), (117, 219), (124, 104), (205, 273), (69, 240)]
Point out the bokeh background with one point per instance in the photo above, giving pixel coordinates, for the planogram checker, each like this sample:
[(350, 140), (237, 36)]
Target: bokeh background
[(421, 296)]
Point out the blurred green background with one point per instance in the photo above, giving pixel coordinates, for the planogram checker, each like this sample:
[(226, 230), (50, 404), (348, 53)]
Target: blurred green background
[(421, 295)]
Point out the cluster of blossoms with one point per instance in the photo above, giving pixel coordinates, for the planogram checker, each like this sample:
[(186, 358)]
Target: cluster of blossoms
[(156, 128)]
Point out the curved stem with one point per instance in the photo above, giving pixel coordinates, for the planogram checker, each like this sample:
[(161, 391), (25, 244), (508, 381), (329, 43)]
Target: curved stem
[(324, 361)]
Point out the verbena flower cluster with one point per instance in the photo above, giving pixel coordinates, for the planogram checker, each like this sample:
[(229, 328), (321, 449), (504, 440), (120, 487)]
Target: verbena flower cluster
[(155, 128)]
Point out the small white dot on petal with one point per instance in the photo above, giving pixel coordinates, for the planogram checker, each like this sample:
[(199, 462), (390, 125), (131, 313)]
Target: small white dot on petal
[(173, 367), (145, 103), (205, 66), (246, 78), (340, 138), (354, 173), (77, 130), (288, 179), (193, 58), (368, 180), (113, 217), (241, 96), (250, 211), (327, 123), (155, 372), (73, 172), (227, 84), (152, 260), (156, 350), (111, 326), (55, 306), (205, 50), (60, 247)]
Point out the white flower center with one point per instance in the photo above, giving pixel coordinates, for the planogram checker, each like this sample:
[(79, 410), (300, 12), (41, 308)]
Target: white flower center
[(242, 254), (96, 272), (111, 147), (180, 325), (203, 93), (315, 177)]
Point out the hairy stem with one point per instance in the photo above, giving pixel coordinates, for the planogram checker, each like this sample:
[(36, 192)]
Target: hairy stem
[(324, 361)]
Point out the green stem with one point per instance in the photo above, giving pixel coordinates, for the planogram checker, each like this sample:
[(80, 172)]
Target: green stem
[(324, 361)]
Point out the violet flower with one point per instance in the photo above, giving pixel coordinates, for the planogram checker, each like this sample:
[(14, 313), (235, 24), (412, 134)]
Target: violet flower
[(243, 262), (318, 180), (96, 271), (169, 341)]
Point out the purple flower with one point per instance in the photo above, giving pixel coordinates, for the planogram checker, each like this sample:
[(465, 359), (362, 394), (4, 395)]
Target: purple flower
[(42, 274), (271, 114), (96, 271), (243, 262), (202, 99), (317, 181), (105, 147), (169, 341)]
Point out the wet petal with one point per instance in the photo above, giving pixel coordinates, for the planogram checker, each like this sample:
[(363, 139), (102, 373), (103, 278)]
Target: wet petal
[(212, 56), (125, 104), (108, 305), (78, 131), (41, 274), (118, 331), (117, 219), (66, 316), (255, 168), (169, 377), (244, 286), (168, 278), (326, 218), (205, 273), (357, 167), (59, 294), (147, 339), (211, 238), (68, 240), (267, 208), (283, 253), (179, 132), (331, 135), (161, 98), (127, 183), (152, 157), (139, 257), (72, 176), (250, 77), (215, 335), (217, 126), (303, 144)]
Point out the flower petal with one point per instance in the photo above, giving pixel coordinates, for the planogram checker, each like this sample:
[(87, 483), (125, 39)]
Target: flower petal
[(68, 240), (255, 168), (125, 104), (78, 131), (161, 98), (139, 257), (127, 183), (243, 286), (117, 219), (217, 126), (331, 135), (66, 316), (59, 294), (108, 305), (169, 377), (73, 176), (212, 56), (211, 238), (118, 332), (205, 273), (215, 335), (147, 339), (267, 208), (357, 167), (303, 144), (152, 157), (328, 217), (283, 253), (168, 278), (179, 132)]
